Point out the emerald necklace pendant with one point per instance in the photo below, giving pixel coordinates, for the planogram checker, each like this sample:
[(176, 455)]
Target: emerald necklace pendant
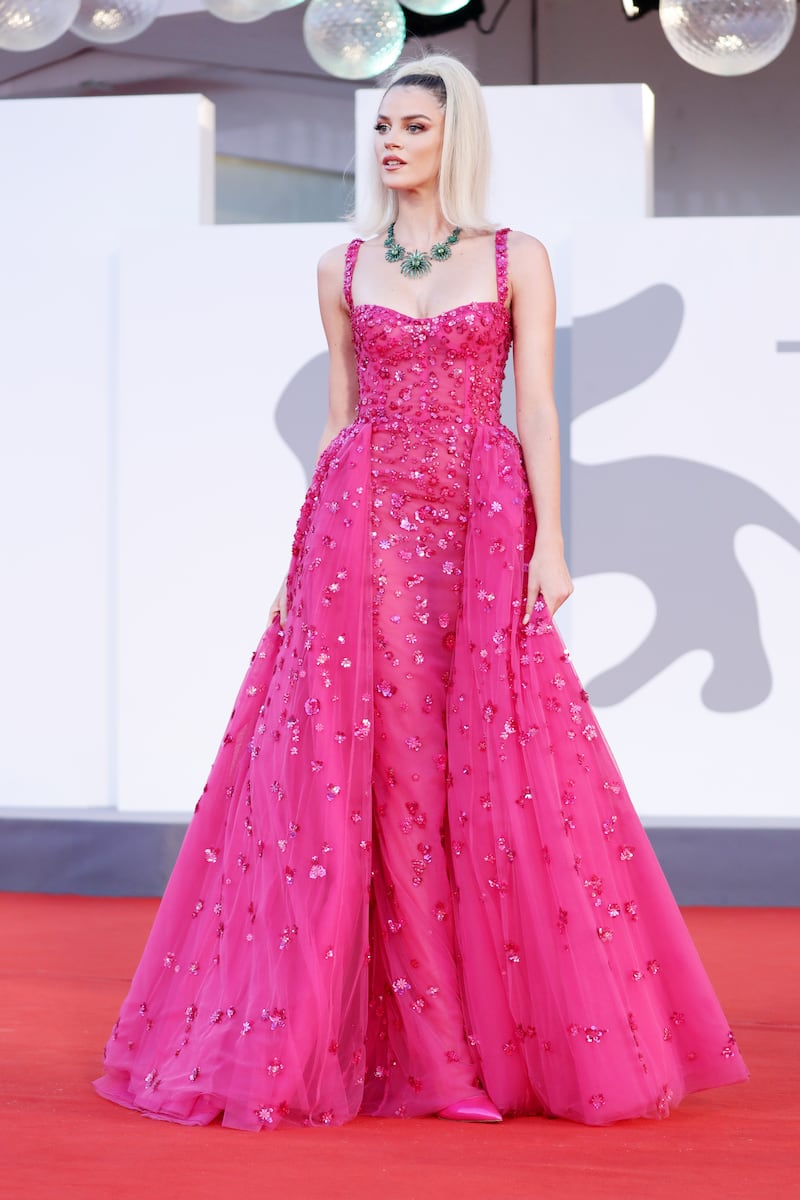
[(415, 263)]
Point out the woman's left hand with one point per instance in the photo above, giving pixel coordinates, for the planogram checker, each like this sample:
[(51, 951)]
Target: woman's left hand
[(548, 575)]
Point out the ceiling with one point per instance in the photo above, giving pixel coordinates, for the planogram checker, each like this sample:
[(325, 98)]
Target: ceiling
[(174, 47)]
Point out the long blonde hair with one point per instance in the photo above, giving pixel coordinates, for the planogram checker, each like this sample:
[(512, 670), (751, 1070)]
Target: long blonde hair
[(464, 171)]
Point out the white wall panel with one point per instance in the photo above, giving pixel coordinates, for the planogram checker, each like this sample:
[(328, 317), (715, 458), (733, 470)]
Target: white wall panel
[(105, 163), (56, 318), (75, 173), (214, 326), (704, 548)]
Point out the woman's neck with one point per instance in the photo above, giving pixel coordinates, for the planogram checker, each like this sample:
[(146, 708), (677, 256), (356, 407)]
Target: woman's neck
[(419, 222)]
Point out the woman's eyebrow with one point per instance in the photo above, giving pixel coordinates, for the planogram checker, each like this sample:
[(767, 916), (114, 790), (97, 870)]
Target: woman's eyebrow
[(411, 117)]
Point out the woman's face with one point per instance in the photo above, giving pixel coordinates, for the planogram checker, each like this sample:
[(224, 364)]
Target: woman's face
[(408, 138)]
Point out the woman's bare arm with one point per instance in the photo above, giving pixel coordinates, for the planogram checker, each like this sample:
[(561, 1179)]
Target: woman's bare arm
[(533, 310)]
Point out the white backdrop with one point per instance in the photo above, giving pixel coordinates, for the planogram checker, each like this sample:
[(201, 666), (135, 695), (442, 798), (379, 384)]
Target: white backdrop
[(214, 323), (151, 497), (105, 164), (77, 175), (711, 436), (55, 521)]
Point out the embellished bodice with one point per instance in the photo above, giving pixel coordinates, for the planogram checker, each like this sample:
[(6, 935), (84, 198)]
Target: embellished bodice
[(448, 367)]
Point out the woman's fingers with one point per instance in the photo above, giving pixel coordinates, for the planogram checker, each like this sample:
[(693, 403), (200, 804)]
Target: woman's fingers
[(531, 598), (279, 607), (553, 597)]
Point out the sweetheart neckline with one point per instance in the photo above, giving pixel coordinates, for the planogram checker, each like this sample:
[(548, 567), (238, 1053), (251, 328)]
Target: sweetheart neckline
[(437, 316)]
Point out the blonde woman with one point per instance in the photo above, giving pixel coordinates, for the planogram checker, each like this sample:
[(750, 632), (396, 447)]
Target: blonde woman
[(415, 884)]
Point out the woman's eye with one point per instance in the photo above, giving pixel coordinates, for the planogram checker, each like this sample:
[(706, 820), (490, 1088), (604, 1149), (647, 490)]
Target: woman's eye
[(381, 127)]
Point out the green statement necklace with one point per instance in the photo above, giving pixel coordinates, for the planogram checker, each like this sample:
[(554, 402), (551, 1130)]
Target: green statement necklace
[(418, 262)]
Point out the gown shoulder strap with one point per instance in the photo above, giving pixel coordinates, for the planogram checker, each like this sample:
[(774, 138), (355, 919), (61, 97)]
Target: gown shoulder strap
[(349, 266), (501, 261)]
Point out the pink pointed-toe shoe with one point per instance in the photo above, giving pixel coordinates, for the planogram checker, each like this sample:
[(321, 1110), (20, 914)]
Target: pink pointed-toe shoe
[(479, 1109)]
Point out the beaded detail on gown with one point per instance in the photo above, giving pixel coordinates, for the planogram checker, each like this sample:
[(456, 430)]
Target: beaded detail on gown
[(415, 871)]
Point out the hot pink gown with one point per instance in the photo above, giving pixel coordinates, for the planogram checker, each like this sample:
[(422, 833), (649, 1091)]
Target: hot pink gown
[(415, 871)]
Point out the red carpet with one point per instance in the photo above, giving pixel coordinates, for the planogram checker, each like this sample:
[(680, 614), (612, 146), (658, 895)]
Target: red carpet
[(65, 970)]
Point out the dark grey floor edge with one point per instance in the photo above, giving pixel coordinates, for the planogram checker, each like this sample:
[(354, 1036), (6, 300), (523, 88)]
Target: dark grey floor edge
[(115, 856)]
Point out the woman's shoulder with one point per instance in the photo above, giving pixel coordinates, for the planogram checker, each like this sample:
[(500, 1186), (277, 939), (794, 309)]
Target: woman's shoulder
[(333, 260), (526, 246), (527, 258)]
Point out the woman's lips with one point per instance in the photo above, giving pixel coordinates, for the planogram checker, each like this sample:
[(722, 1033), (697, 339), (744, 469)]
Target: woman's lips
[(390, 163)]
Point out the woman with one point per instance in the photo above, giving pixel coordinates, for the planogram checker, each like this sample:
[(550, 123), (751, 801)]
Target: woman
[(415, 883)]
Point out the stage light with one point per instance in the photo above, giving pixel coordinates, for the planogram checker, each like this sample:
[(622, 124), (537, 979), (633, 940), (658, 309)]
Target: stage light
[(434, 8), (638, 8), (32, 24), (354, 39), (240, 11), (108, 21), (728, 37)]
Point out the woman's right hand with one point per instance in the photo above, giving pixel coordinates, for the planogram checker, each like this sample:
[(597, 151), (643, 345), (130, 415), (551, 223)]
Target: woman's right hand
[(279, 605)]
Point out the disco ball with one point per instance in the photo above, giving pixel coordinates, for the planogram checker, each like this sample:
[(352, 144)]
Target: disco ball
[(107, 21), (728, 37), (242, 10), (31, 24), (434, 8), (354, 39)]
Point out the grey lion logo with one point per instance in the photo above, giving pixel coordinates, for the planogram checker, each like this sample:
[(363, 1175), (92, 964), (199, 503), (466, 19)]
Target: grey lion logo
[(665, 520)]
